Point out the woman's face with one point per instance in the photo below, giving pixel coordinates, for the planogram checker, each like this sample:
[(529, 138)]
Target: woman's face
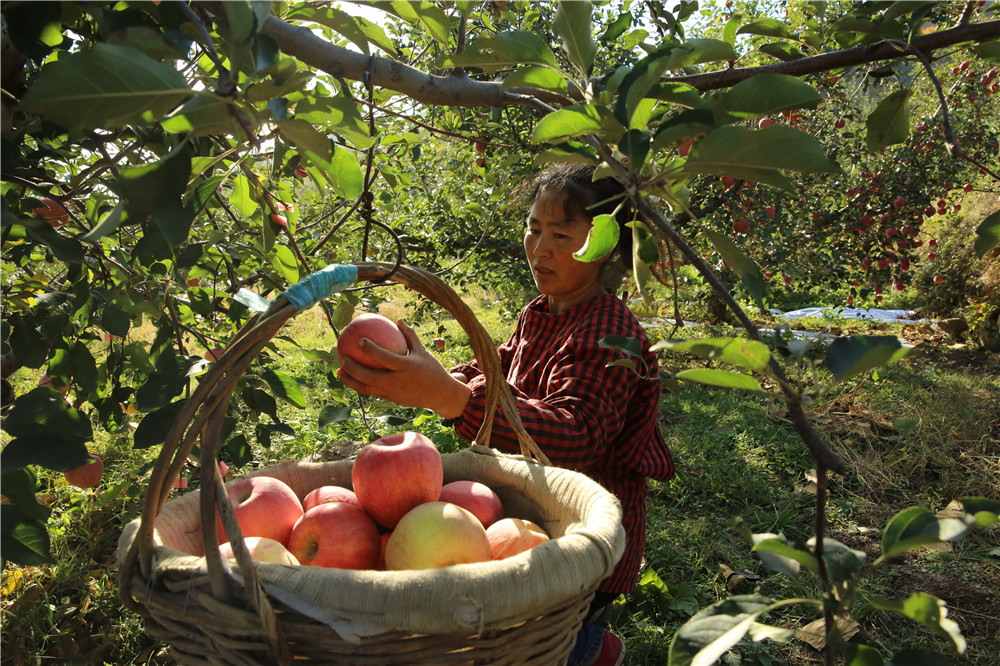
[(550, 241)]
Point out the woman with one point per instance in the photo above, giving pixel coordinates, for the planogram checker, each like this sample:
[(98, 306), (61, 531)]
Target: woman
[(585, 415)]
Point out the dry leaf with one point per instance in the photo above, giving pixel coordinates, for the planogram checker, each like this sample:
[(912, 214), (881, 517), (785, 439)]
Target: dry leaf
[(814, 633), (953, 510)]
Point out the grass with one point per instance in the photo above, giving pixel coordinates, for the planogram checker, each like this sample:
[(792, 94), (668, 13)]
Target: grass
[(920, 432)]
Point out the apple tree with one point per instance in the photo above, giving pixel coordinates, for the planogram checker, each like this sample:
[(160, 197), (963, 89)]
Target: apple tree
[(172, 165)]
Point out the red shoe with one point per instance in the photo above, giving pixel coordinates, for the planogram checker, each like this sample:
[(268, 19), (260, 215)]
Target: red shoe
[(612, 651)]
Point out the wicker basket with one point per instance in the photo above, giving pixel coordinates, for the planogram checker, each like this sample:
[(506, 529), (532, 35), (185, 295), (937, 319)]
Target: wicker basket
[(525, 609)]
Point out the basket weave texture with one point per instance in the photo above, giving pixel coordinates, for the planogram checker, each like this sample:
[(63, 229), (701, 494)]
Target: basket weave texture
[(525, 609)]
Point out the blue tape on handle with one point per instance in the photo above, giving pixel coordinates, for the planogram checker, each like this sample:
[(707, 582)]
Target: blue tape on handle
[(316, 286)]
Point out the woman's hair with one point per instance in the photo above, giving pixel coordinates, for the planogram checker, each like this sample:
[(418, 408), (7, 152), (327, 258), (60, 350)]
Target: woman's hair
[(587, 198)]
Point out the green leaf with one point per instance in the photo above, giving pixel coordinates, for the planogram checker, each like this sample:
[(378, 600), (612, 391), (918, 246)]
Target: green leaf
[(850, 356), (23, 540), (331, 414), (842, 563), (635, 145), (360, 31), (284, 261), (601, 241), (205, 115), (778, 554), (988, 50), (629, 346), (306, 137), (502, 50), (749, 354), (155, 426), (682, 94), (106, 86), (284, 387), (156, 186), (566, 123), (535, 77), (20, 487), (765, 94), (573, 24), (859, 654), (617, 27), (427, 14), (983, 510), (67, 250), (916, 657), (239, 197), (915, 526), (712, 631), (987, 234), (338, 114), (759, 155), (928, 610), (889, 123), (783, 51), (722, 378), (745, 267), (54, 439), (768, 27), (74, 364)]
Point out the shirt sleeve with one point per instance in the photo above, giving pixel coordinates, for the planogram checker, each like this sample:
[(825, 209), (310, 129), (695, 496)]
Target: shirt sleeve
[(576, 414)]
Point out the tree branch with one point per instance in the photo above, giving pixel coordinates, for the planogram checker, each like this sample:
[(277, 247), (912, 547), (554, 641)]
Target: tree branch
[(337, 61)]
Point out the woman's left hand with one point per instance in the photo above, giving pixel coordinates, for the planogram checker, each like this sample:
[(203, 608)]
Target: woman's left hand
[(415, 380)]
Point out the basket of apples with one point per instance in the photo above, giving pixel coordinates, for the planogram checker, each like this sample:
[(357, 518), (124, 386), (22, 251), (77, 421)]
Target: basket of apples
[(402, 555)]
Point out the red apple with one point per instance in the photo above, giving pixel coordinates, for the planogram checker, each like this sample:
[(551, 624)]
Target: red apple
[(301, 172), (380, 330), (325, 494), (396, 473), (264, 507), (899, 202), (336, 534), (476, 497), (727, 181), (741, 226), (261, 549), (931, 256), (891, 231), (436, 534), (53, 212), (770, 210), (86, 476), (511, 536), (766, 122), (280, 220), (786, 280), (440, 344), (938, 279), (685, 147), (380, 565), (45, 380), (883, 264), (967, 187), (480, 147)]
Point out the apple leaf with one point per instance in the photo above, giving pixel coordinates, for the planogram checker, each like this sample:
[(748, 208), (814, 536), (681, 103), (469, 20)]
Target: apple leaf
[(928, 610), (284, 387), (915, 526), (573, 24), (535, 77), (156, 186), (712, 631), (749, 354), (627, 346), (331, 414), (759, 155), (566, 123), (778, 554), (850, 356), (502, 50), (987, 234), (722, 378), (889, 123), (23, 540), (46, 432), (767, 27), (745, 267), (763, 95), (107, 86), (154, 427)]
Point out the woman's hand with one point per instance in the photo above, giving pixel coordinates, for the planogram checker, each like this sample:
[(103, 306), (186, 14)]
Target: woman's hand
[(415, 380)]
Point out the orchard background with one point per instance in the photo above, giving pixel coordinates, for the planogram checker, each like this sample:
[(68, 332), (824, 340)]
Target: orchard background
[(160, 157)]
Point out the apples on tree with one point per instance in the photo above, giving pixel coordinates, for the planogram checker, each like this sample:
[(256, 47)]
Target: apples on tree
[(261, 549), (396, 473), (477, 497), (511, 536), (86, 476), (264, 506), (336, 534), (436, 534), (380, 330)]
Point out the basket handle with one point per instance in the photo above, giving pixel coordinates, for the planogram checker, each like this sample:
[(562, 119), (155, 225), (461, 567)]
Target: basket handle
[(201, 417)]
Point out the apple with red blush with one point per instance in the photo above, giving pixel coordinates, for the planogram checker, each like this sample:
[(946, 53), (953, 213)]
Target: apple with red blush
[(261, 549), (325, 494), (264, 507), (395, 473), (336, 534), (477, 497), (510, 536), (380, 330), (436, 534), (88, 475)]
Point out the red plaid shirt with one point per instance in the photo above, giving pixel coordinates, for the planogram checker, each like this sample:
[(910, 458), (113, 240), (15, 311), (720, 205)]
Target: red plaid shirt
[(584, 415)]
